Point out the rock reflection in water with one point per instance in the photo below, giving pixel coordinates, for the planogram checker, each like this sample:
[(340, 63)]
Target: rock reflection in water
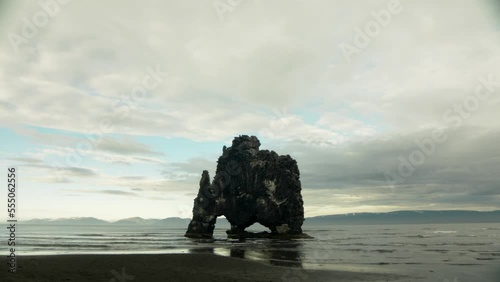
[(281, 253), (202, 250), (276, 252)]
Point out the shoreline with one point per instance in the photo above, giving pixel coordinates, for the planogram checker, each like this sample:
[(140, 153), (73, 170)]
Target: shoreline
[(169, 267)]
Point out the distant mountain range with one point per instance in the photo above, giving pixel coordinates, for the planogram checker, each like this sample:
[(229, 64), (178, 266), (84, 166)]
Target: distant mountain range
[(397, 217), (408, 217), (170, 221), (133, 221)]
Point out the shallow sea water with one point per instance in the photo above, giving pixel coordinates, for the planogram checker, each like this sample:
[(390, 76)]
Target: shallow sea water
[(421, 252)]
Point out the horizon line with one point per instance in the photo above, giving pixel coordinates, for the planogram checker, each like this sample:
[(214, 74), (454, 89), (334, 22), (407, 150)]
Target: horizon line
[(138, 217)]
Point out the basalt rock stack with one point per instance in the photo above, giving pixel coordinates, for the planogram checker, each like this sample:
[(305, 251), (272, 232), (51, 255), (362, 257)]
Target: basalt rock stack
[(250, 185)]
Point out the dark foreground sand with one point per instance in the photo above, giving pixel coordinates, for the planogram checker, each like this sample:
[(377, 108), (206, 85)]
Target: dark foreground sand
[(167, 267)]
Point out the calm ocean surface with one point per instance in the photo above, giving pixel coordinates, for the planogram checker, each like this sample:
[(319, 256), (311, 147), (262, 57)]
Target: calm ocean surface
[(427, 252)]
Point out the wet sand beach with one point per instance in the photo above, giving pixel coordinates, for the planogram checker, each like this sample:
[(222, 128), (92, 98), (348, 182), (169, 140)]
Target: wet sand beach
[(168, 267)]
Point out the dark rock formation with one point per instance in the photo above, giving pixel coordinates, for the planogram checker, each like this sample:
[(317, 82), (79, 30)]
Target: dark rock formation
[(250, 185)]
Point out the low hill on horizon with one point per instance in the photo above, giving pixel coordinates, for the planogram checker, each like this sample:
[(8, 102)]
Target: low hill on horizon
[(396, 217), (408, 217)]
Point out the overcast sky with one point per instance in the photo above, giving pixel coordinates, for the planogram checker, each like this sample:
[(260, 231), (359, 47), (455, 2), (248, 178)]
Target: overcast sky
[(112, 109)]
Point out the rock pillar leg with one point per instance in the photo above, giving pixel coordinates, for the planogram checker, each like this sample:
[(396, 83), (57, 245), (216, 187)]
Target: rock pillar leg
[(203, 223)]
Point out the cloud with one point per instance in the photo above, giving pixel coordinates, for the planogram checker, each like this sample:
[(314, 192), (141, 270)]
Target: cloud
[(117, 192), (81, 172), (106, 191), (345, 125), (462, 169), (67, 170), (133, 178), (190, 169), (125, 147), (40, 170), (244, 68), (27, 160)]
